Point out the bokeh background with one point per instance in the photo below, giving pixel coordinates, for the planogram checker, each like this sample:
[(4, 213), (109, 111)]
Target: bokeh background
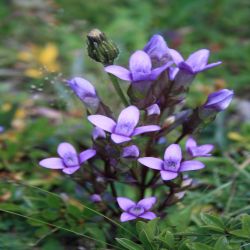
[(43, 43)]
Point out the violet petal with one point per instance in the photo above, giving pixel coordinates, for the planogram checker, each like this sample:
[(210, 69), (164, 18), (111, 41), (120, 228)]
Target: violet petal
[(167, 175), (102, 122), (125, 203), (140, 62), (86, 155), (127, 121), (148, 216), (191, 165), (147, 203), (53, 163), (119, 138), (70, 170), (146, 129), (126, 217), (173, 153), (198, 60), (151, 162), (119, 72)]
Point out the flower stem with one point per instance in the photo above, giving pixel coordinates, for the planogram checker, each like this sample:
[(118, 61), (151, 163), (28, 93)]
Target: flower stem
[(119, 90)]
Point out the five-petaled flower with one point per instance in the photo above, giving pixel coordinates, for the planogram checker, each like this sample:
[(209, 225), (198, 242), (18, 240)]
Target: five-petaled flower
[(69, 160), (219, 100), (140, 68), (125, 127), (133, 210), (172, 164), (196, 62), (198, 151)]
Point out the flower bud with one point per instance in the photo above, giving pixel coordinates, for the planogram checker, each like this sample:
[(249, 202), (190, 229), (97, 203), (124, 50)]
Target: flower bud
[(95, 198), (100, 48), (153, 110), (158, 50), (98, 133), (86, 92), (131, 152), (219, 100)]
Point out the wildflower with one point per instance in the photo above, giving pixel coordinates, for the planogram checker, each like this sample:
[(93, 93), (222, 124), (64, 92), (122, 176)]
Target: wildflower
[(85, 91), (198, 151), (219, 100), (140, 68), (172, 164), (125, 127), (134, 210), (130, 152), (69, 160), (196, 62), (158, 50), (153, 110)]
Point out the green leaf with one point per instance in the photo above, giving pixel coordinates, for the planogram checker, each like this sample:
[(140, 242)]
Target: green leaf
[(221, 244), (167, 238), (213, 222), (246, 224), (128, 244), (200, 246)]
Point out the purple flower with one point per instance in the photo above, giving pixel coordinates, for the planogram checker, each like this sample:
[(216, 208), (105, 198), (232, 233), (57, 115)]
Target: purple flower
[(86, 92), (125, 127), (196, 62), (219, 100), (153, 110), (96, 198), (158, 50), (130, 152), (134, 210), (69, 160), (98, 133), (140, 68), (198, 151), (172, 163)]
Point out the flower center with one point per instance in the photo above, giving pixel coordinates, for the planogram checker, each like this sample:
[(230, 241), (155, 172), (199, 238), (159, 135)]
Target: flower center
[(125, 128), (171, 165), (70, 160), (136, 210)]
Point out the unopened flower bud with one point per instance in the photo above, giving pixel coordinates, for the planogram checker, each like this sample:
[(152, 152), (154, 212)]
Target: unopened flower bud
[(95, 198), (86, 92), (100, 48), (219, 100), (98, 133), (158, 50), (131, 152), (153, 110)]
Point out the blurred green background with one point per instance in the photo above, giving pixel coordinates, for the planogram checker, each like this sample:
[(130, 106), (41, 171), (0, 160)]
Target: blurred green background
[(43, 43)]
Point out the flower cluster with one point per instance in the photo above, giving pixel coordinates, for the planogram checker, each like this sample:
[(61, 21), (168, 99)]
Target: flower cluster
[(125, 149)]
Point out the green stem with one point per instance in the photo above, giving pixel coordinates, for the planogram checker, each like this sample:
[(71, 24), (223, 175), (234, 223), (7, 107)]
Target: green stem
[(119, 90)]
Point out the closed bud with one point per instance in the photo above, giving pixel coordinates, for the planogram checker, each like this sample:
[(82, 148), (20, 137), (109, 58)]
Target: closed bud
[(219, 100), (85, 92), (100, 48)]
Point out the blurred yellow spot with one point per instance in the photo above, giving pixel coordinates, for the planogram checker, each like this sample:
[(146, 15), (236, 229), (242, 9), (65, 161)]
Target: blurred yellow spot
[(6, 107), (48, 57), (33, 73), (40, 57), (25, 56), (235, 136)]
